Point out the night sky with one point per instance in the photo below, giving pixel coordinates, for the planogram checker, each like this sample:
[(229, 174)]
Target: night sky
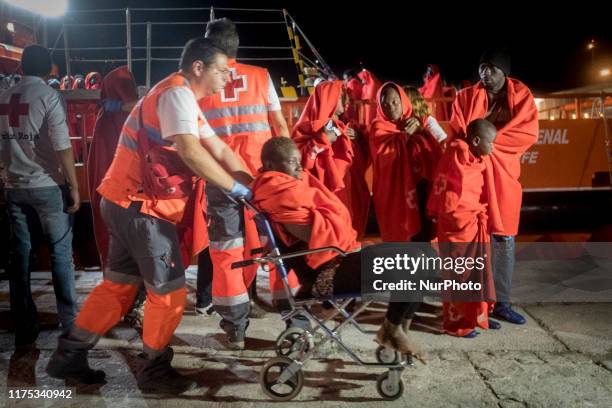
[(547, 44)]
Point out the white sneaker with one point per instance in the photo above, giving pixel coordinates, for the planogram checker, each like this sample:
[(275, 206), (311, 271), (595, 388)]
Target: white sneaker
[(205, 311)]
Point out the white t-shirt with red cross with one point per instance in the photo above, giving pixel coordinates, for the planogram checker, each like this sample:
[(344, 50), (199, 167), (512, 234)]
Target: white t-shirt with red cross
[(32, 128)]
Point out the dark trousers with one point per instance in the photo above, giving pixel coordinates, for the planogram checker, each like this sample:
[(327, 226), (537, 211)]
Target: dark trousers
[(204, 279), (24, 206), (503, 266)]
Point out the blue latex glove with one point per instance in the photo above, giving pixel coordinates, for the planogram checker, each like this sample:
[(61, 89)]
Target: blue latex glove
[(240, 191), (112, 105)]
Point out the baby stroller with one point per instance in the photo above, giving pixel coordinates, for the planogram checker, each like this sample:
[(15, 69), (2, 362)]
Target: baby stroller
[(282, 378)]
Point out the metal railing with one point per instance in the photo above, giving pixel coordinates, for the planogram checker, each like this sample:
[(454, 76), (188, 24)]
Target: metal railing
[(573, 105), (148, 58)]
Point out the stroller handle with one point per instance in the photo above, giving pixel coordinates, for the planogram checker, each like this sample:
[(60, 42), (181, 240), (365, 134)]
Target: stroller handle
[(247, 204), (242, 264), (273, 258)]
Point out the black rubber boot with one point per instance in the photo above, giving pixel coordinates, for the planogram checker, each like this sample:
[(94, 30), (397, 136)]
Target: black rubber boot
[(158, 377), (69, 362)]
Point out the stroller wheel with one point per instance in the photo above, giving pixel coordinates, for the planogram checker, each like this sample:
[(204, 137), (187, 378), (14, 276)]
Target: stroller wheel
[(385, 355), (292, 341), (389, 389), (271, 374)]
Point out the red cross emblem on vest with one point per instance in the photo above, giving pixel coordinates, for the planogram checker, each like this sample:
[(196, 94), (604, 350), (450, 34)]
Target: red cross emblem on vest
[(236, 84), (14, 110)]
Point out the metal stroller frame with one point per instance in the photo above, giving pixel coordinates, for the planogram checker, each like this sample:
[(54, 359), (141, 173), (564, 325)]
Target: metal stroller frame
[(295, 346)]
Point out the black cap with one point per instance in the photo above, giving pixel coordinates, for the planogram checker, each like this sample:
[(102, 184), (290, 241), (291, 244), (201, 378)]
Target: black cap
[(499, 58)]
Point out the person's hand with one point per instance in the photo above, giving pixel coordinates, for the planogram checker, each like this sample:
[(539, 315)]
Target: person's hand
[(411, 126), (75, 200), (331, 131), (240, 191), (331, 135), (351, 134)]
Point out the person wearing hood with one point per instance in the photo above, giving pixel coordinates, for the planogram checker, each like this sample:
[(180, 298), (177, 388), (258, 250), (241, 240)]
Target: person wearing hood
[(402, 154), (118, 96), (433, 87), (509, 105), (330, 150)]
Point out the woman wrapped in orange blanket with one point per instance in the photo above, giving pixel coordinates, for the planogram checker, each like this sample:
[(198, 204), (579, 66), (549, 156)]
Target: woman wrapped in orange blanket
[(330, 151), (402, 154)]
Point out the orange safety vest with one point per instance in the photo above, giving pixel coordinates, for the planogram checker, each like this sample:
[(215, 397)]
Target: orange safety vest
[(239, 114), (123, 182)]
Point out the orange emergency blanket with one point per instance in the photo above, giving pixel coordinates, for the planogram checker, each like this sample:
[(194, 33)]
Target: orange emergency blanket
[(512, 140), (287, 200), (459, 203)]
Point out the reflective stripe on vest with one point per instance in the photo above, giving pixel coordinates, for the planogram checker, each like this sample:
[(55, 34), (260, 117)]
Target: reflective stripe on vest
[(129, 133), (128, 142), (228, 130), (235, 111), (246, 112), (123, 180)]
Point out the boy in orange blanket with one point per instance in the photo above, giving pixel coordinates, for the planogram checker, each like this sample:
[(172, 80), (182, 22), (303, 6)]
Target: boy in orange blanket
[(306, 214), (459, 203)]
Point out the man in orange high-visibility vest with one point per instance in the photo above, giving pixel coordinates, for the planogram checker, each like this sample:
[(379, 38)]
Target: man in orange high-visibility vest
[(141, 218), (244, 115)]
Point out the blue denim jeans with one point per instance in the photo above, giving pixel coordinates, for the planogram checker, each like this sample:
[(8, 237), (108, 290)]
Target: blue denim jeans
[(503, 266), (48, 204)]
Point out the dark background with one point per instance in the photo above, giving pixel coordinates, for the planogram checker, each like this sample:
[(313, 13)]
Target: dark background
[(395, 40)]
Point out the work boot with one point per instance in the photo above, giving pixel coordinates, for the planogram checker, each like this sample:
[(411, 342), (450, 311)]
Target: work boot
[(235, 338), (69, 362), (236, 334), (394, 337), (255, 311), (256, 308), (158, 377)]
